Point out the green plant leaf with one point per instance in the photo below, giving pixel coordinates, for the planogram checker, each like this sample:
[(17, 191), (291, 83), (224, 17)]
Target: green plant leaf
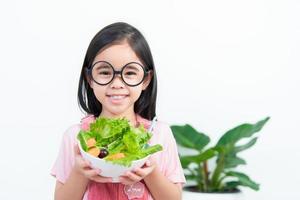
[(243, 180), (191, 177), (207, 154), (231, 185), (233, 161), (186, 160), (187, 136), (245, 146), (241, 131)]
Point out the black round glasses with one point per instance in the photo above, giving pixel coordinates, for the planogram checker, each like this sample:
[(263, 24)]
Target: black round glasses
[(103, 73)]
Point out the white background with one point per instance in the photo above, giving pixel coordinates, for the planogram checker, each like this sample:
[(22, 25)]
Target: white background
[(219, 64)]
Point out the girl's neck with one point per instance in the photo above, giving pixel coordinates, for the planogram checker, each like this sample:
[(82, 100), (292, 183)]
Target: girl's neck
[(130, 116)]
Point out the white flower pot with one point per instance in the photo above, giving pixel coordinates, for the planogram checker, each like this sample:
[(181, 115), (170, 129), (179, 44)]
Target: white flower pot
[(187, 195)]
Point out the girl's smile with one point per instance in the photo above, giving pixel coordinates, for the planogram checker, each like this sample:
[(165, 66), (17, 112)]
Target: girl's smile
[(117, 98)]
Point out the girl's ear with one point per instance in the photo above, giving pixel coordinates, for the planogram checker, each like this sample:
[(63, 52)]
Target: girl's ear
[(147, 80)]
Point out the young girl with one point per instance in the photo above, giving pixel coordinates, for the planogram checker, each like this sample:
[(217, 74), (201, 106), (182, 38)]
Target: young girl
[(118, 79)]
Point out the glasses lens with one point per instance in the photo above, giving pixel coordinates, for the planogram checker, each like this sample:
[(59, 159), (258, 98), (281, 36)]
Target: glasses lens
[(133, 74), (102, 73)]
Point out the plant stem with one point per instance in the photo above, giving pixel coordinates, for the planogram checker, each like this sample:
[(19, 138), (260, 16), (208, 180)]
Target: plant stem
[(220, 180), (218, 170), (206, 173), (197, 178), (203, 182)]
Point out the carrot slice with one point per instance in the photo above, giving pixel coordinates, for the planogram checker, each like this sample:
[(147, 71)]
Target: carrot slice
[(91, 142), (116, 156), (94, 151)]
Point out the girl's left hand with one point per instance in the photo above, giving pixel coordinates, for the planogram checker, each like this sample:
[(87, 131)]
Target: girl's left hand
[(138, 174)]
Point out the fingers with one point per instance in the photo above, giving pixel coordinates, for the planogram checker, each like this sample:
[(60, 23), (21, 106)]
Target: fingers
[(76, 150), (81, 163), (141, 172), (138, 173), (133, 176), (126, 180), (130, 178), (79, 160), (93, 174), (148, 163), (85, 168), (90, 173)]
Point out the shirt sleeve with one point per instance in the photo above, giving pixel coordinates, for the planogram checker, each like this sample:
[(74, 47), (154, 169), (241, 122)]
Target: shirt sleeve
[(65, 159), (169, 158)]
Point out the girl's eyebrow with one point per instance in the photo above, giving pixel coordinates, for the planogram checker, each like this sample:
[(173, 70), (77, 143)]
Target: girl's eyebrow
[(132, 67), (103, 67), (116, 66)]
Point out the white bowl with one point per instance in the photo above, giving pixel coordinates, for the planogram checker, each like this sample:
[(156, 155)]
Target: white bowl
[(109, 169)]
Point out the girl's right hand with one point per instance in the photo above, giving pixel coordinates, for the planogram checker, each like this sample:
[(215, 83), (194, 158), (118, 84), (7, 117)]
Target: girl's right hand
[(83, 167)]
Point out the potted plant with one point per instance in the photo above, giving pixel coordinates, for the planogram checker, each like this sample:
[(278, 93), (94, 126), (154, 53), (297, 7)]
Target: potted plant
[(223, 177)]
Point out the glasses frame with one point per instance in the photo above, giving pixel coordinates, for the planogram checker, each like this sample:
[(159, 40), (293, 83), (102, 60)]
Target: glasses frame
[(116, 72)]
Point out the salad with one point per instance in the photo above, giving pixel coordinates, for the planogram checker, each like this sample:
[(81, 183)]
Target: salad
[(116, 141)]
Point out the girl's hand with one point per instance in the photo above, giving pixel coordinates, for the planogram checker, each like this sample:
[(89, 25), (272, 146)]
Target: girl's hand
[(138, 174), (83, 167)]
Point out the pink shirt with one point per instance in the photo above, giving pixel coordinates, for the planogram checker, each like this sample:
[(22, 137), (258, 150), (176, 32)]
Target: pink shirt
[(167, 162)]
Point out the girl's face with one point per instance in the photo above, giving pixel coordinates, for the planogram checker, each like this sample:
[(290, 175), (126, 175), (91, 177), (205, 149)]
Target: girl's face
[(117, 98)]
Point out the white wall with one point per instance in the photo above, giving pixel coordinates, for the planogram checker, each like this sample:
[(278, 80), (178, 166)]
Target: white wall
[(219, 63)]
